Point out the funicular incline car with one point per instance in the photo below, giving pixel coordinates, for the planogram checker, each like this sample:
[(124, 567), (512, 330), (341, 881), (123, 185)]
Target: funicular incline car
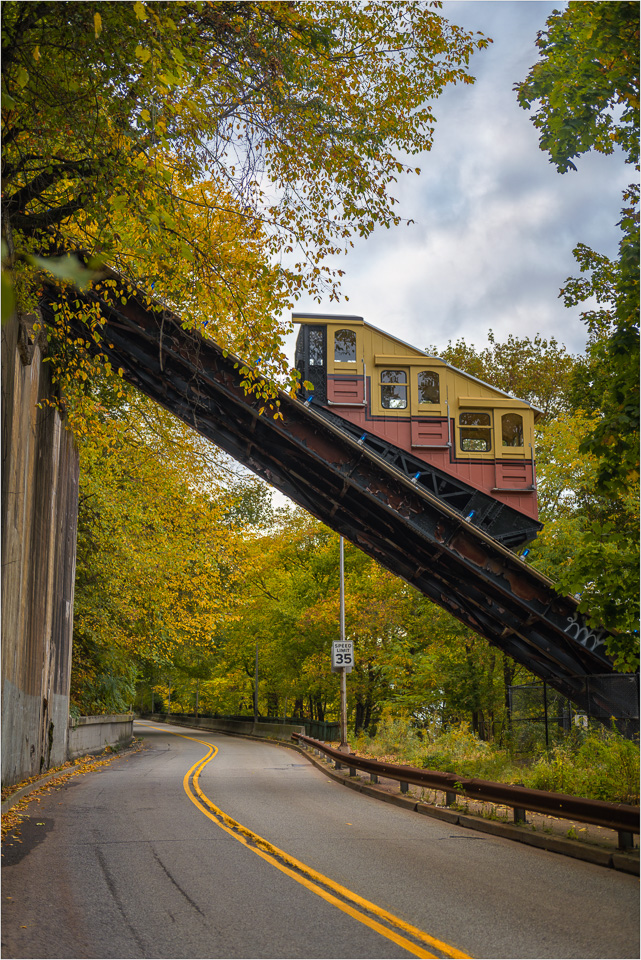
[(464, 440)]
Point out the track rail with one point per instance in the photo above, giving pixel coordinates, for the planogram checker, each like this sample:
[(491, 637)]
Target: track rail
[(325, 470)]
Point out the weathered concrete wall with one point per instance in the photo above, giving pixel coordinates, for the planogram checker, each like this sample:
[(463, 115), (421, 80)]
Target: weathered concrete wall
[(277, 731), (92, 734), (39, 522)]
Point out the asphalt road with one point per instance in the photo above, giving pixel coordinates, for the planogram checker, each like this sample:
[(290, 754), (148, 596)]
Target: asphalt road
[(160, 855)]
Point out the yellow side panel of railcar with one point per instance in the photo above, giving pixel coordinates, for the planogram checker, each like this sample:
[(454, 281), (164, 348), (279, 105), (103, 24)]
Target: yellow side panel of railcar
[(443, 405)]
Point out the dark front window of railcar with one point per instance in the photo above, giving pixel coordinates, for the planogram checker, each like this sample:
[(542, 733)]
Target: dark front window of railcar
[(476, 432), (316, 347), (512, 429), (393, 389), (345, 346), (428, 387)]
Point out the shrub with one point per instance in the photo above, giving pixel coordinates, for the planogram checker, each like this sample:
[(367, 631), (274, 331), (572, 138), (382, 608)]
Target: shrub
[(598, 763), (395, 735)]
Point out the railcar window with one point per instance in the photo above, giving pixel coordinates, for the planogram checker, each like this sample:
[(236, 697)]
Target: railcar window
[(512, 429), (428, 387), (316, 347), (475, 432), (345, 346), (393, 389)]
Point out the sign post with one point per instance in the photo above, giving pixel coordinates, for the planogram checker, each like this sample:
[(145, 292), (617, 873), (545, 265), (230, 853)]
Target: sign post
[(343, 654)]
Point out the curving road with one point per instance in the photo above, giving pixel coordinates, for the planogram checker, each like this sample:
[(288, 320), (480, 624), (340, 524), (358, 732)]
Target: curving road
[(206, 846)]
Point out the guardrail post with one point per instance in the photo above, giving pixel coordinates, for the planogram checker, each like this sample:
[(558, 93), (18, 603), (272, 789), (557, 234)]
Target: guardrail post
[(338, 765), (404, 786), (520, 815), (626, 840), (352, 771), (373, 778), (450, 798)]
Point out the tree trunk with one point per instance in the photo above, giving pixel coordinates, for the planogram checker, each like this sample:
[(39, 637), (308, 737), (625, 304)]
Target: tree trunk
[(509, 668), (359, 716), (272, 704)]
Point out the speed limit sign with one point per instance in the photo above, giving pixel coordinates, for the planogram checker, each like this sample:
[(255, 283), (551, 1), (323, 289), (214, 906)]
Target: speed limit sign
[(342, 656)]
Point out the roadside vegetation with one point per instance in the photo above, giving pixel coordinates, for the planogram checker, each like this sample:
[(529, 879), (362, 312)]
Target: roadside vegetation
[(597, 763)]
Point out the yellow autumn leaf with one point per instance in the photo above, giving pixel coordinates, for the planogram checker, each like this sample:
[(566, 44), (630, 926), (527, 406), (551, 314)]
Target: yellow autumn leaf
[(142, 53)]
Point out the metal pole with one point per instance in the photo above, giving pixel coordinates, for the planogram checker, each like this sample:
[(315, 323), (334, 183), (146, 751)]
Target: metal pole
[(344, 745), (342, 590)]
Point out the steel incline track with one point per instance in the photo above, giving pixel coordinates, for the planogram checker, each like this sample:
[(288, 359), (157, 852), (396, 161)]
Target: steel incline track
[(324, 469)]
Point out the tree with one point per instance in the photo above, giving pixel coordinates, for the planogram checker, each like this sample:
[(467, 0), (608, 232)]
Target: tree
[(171, 140), (409, 654), (531, 368), (607, 385), (586, 87), (158, 557), (589, 544), (586, 82)]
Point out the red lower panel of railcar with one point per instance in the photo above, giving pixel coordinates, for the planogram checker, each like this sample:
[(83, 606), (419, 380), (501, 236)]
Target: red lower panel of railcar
[(509, 480)]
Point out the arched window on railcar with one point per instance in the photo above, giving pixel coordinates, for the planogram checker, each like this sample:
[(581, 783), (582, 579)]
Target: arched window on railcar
[(428, 387), (475, 432), (393, 389), (512, 429), (345, 346)]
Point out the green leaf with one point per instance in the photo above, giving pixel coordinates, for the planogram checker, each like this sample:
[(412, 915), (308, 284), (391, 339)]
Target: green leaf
[(8, 297), (143, 54), (68, 268)]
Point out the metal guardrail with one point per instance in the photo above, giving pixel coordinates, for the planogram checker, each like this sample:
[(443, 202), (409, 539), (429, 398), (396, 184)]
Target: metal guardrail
[(622, 817)]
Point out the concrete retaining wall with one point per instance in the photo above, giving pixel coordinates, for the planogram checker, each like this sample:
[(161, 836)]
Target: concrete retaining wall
[(93, 734), (275, 731), (39, 521)]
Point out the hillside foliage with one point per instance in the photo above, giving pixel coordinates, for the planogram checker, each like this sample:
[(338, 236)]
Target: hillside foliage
[(214, 153)]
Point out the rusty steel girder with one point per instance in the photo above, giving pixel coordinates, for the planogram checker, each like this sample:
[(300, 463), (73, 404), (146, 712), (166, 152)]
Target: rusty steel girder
[(348, 487)]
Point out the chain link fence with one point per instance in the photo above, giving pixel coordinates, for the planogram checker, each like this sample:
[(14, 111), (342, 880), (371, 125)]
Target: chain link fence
[(540, 714)]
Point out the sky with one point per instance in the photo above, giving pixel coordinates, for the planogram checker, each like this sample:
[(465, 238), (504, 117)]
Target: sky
[(494, 223)]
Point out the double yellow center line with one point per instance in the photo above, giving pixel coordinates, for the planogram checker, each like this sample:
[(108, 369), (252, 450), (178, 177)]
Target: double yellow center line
[(410, 938)]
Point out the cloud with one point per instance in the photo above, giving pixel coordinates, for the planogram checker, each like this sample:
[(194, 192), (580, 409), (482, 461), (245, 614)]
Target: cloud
[(494, 224)]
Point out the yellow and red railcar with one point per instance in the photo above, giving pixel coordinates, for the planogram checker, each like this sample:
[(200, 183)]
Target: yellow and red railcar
[(466, 441)]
